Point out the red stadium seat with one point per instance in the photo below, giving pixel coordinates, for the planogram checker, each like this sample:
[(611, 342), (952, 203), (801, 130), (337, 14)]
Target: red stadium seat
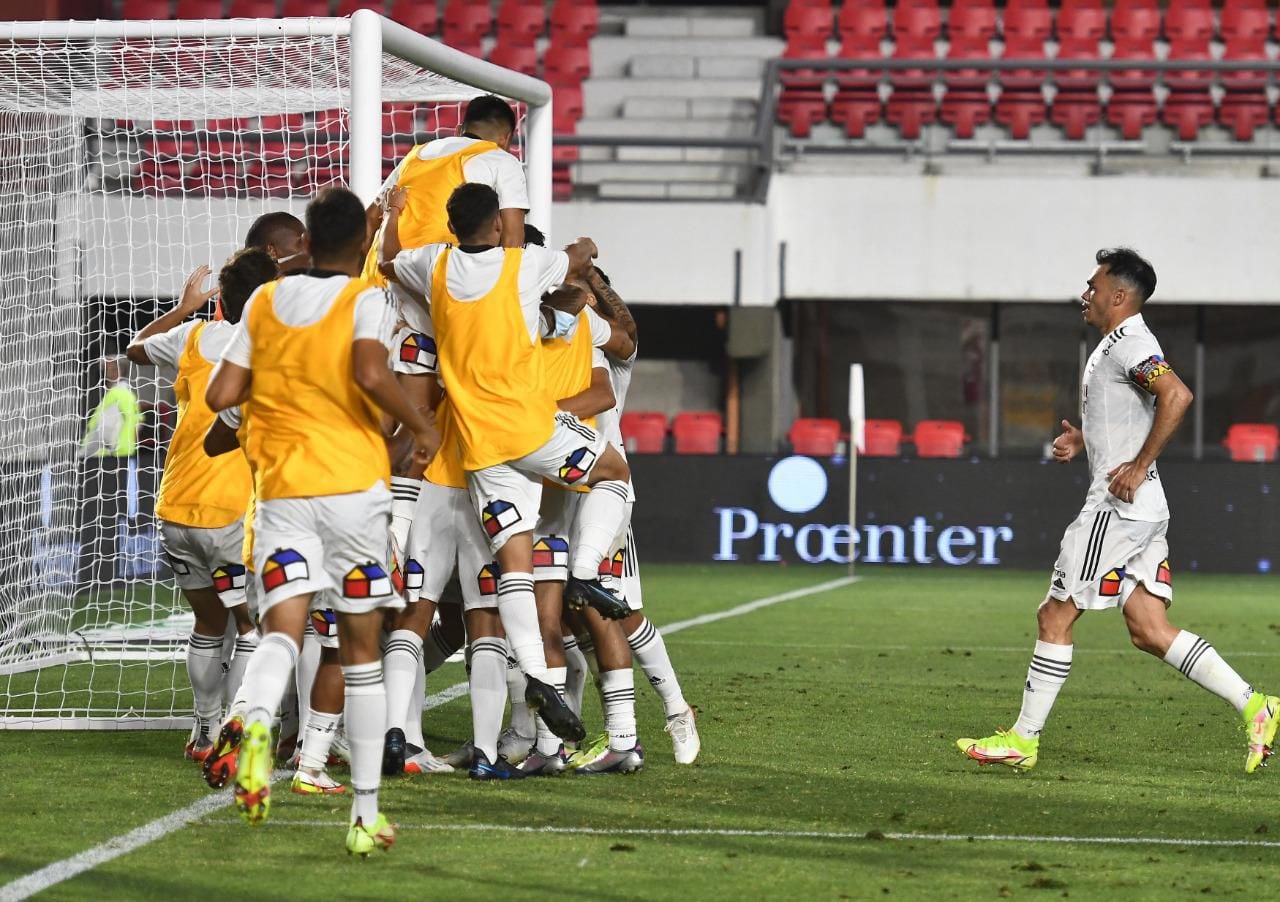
[(301, 9), (800, 108), (912, 105), (966, 103), (442, 119), (1189, 104), (939, 438), (1246, 23), (198, 9), (1132, 107), (574, 21), (146, 9), (1188, 25), (807, 29), (916, 25), (972, 24), (1257, 442), (1245, 104), (697, 432), (422, 17), (399, 119), (1076, 105), (520, 57), (862, 24), (566, 64), (816, 437), (643, 432), (567, 109), (466, 22), (521, 21), (883, 438), (252, 9), (1021, 104), (347, 7)]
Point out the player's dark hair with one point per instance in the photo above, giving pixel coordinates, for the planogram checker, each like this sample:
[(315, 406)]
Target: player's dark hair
[(470, 207), (533, 235), (1124, 264), (240, 276), (265, 227), (492, 110), (336, 223)]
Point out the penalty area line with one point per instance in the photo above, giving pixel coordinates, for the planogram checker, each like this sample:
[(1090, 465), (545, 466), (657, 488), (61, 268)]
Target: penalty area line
[(873, 836), (59, 871)]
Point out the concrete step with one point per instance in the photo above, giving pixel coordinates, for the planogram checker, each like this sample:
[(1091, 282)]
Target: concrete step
[(610, 56), (709, 26), (669, 127), (605, 96), (614, 190), (592, 173), (673, 107)]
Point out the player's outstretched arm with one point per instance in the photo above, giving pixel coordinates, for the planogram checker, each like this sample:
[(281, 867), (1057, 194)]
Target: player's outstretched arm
[(389, 245), (228, 386), (512, 226), (612, 307), (594, 399), (1173, 400), (193, 298), (1068, 445), (369, 364)]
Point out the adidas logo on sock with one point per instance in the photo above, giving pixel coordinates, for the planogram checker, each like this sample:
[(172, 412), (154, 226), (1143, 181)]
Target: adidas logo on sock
[(656, 681)]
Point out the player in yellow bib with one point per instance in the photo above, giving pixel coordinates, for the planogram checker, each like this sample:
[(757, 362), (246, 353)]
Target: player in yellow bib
[(201, 502), (310, 359)]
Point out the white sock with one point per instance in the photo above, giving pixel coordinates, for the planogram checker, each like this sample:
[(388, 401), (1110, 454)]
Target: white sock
[(436, 648), (204, 668), (548, 743), (366, 719), (521, 716), (488, 693), (519, 614), (651, 652), (619, 691), (308, 665), (317, 736), (1197, 660), (600, 518), (243, 650), (400, 661), (1049, 669), (267, 677), (576, 679), (413, 716)]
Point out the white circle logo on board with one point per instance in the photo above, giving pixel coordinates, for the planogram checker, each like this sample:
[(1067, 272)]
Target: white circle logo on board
[(797, 484)]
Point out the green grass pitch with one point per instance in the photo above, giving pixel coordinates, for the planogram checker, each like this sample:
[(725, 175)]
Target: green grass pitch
[(828, 726)]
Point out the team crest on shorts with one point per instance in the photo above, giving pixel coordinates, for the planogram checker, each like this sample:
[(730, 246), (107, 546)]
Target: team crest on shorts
[(613, 566), (284, 565), (325, 623), (553, 551), (497, 516), (1111, 583), (487, 581), (366, 581), (577, 465), (419, 348), (229, 577), (1164, 574), (413, 575)]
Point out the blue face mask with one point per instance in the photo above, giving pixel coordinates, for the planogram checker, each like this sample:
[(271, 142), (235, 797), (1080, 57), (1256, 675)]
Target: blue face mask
[(564, 322)]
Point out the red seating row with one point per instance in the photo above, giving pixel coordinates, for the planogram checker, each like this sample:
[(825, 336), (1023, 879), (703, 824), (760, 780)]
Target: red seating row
[(465, 22), (1080, 25), (693, 432), (1256, 442)]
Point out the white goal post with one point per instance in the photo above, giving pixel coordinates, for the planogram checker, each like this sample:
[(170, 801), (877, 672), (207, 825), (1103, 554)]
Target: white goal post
[(130, 153)]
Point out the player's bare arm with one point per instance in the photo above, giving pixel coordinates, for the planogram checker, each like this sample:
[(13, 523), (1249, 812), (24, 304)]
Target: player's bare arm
[(512, 226), (220, 439), (228, 386), (193, 298), (423, 392), (594, 399), (1068, 446), (611, 306), (369, 360), (389, 245), (581, 253), (1173, 399)]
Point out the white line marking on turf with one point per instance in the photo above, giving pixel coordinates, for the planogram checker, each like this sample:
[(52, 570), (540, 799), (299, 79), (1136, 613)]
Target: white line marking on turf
[(55, 873), (940, 649), (820, 834)]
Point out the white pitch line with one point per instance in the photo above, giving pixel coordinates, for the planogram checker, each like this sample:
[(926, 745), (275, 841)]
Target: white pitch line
[(958, 650), (59, 871), (822, 834)]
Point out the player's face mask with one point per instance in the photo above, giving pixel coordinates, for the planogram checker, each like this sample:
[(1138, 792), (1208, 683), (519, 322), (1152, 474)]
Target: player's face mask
[(564, 322)]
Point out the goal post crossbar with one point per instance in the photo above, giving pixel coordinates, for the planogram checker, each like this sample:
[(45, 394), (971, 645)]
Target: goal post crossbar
[(369, 35)]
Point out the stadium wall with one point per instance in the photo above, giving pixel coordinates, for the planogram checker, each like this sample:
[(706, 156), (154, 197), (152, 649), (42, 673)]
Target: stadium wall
[(877, 237)]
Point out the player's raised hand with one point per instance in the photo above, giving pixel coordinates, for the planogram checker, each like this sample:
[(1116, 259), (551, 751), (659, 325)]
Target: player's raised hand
[(1126, 479), (193, 296), (1067, 445), (395, 199)]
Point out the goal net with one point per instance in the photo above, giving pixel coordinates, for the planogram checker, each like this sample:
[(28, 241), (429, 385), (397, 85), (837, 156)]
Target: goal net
[(130, 154)]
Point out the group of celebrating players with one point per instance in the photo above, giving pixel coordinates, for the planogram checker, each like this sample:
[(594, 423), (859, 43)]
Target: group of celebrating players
[(399, 436)]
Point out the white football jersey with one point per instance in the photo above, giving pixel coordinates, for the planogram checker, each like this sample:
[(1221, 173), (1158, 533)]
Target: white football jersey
[(1117, 410)]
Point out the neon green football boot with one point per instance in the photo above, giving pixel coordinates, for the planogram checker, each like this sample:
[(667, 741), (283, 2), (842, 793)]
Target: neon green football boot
[(362, 840), (1005, 747), (1261, 717), (253, 773), (592, 749)]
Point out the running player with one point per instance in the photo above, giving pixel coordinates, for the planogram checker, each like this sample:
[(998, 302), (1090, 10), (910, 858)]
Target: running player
[(311, 357), (201, 502), (1115, 553)]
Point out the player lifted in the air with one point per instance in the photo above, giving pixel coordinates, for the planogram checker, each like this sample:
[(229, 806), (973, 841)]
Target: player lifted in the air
[(201, 502), (310, 358), (1115, 553)]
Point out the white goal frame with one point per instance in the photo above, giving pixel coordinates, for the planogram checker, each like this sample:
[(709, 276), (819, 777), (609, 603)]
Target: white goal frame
[(370, 37)]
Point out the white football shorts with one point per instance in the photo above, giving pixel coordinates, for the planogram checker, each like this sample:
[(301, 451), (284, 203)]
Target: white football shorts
[(1104, 557), (446, 536), (207, 557)]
